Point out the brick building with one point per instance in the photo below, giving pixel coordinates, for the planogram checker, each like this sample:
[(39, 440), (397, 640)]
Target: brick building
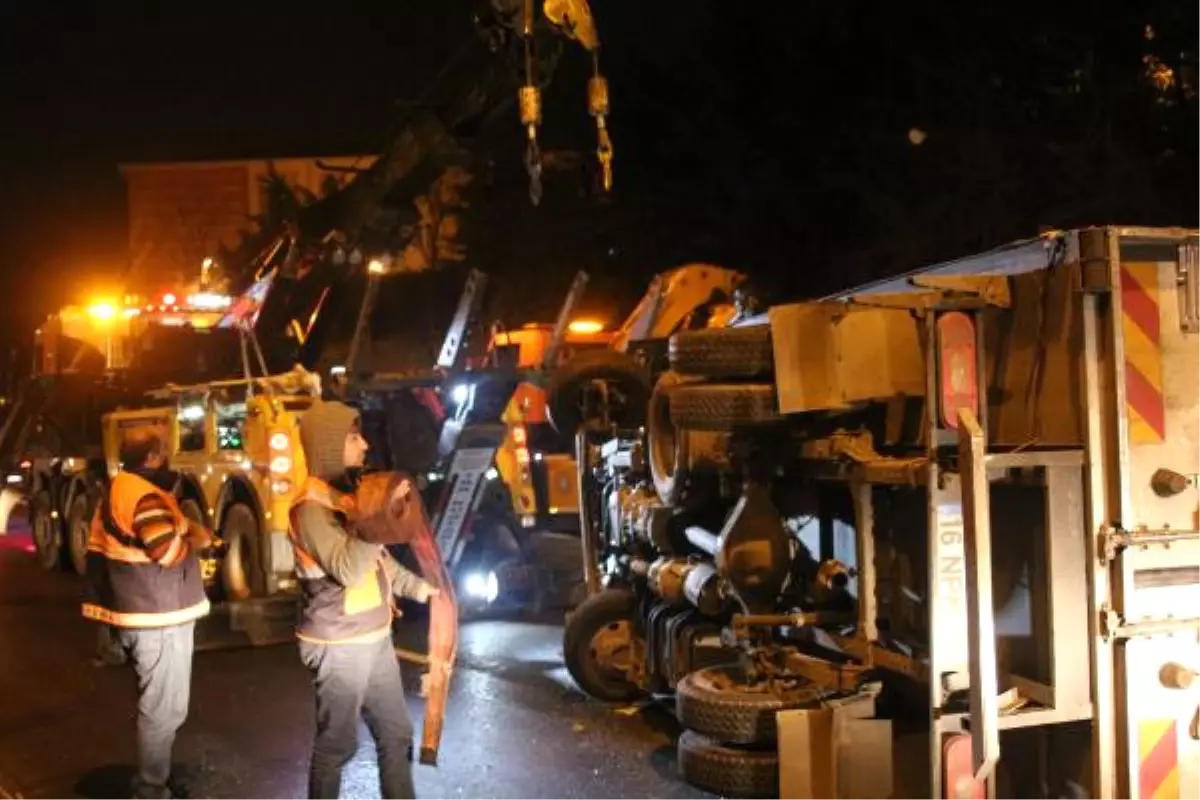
[(181, 212)]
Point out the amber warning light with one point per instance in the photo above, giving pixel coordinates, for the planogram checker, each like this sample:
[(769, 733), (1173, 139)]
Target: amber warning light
[(585, 326)]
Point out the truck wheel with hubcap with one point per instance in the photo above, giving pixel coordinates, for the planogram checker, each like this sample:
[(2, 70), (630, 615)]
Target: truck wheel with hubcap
[(47, 537), (604, 648), (242, 575), (79, 528)]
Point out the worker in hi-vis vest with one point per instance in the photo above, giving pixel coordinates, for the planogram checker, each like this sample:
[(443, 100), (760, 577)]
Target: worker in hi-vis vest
[(345, 626), (145, 582)]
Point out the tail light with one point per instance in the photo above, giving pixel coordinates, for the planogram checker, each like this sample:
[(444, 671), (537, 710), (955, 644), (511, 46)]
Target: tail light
[(520, 439), (282, 463), (958, 383)]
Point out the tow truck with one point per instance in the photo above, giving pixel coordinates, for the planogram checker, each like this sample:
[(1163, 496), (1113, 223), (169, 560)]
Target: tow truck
[(500, 483), (89, 360)]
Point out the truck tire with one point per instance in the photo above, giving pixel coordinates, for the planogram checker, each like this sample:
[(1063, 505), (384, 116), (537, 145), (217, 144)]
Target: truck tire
[(79, 526), (242, 575), (727, 771), (723, 406), (628, 381), (723, 352), (666, 445), (47, 534), (593, 646), (717, 702)]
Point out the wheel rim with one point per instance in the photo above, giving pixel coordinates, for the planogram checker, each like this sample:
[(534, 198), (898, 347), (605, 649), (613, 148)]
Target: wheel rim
[(617, 651), (663, 439)]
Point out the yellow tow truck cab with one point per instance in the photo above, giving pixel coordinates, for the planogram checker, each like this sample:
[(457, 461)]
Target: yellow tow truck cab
[(237, 450)]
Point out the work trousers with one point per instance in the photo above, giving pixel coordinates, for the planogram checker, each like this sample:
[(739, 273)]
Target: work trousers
[(162, 660), (353, 680)]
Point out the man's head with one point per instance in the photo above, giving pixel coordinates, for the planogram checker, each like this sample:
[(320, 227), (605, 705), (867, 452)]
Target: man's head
[(143, 448), (332, 439)]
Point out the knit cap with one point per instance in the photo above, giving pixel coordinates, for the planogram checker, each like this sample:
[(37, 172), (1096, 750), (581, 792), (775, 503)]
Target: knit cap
[(323, 430)]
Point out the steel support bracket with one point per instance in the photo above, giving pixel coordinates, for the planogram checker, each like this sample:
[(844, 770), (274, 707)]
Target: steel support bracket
[(1113, 540), (1114, 627)]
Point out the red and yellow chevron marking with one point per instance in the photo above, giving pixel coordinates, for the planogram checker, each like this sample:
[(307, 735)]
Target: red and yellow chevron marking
[(1158, 759), (1140, 326)]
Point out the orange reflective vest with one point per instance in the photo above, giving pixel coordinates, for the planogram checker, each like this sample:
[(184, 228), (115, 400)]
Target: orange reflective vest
[(127, 588), (332, 613)]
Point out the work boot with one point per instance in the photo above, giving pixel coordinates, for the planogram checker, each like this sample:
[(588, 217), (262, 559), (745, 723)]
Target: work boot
[(142, 791), (180, 787)]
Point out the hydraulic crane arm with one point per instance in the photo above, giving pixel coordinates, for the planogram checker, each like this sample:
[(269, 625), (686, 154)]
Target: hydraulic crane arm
[(672, 297)]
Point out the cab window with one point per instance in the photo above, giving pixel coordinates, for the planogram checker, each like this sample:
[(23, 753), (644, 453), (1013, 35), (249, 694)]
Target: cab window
[(231, 427), (192, 417)]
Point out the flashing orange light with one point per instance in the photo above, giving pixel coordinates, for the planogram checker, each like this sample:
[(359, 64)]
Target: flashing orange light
[(102, 311), (376, 267), (585, 326), (169, 299)]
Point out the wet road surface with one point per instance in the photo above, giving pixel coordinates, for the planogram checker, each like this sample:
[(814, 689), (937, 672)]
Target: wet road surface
[(516, 725)]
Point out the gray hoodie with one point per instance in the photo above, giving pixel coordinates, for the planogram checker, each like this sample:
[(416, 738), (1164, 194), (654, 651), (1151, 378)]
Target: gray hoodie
[(345, 558)]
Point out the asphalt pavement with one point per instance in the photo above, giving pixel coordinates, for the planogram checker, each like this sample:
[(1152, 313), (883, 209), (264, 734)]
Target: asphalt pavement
[(516, 725)]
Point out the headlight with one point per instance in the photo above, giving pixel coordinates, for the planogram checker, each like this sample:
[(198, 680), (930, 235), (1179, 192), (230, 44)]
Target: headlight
[(484, 586)]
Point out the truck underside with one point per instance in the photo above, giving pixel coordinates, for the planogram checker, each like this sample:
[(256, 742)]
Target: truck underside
[(953, 486)]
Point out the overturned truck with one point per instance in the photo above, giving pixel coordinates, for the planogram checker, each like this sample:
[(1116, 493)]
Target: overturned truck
[(973, 485)]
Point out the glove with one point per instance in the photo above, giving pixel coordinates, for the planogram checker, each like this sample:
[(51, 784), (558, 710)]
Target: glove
[(425, 591)]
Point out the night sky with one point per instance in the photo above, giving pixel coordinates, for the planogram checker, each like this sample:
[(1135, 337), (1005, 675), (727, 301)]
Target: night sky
[(86, 86), (808, 144)]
